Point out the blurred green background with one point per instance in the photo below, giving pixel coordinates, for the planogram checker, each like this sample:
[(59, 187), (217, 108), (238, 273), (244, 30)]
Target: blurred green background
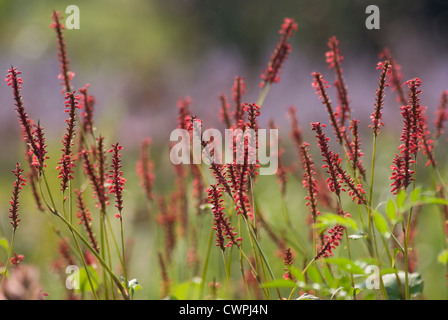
[(140, 57)]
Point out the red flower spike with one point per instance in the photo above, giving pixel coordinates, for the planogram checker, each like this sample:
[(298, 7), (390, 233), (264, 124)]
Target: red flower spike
[(441, 115), (225, 112), (288, 261), (37, 151), (87, 104), (96, 180), (402, 174), (238, 91), (271, 73), (14, 202), (320, 85), (330, 158), (355, 152), (334, 59), (296, 131), (331, 242), (66, 161), (395, 76), (116, 180), (377, 116), (309, 180), (221, 223), (84, 216), (66, 75), (145, 168)]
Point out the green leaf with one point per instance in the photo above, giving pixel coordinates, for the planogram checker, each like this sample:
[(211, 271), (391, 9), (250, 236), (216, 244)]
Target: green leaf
[(346, 265), (296, 273), (415, 194), (443, 257), (329, 219), (4, 244), (189, 290), (279, 283), (432, 200), (381, 224), (328, 276), (313, 274), (400, 199), (391, 211), (388, 271), (393, 289), (84, 284)]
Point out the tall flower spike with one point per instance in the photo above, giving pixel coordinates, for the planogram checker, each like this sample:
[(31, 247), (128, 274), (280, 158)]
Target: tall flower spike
[(84, 216), (441, 115), (281, 169), (402, 174), (330, 158), (116, 179), (87, 106), (225, 111), (166, 282), (167, 219), (280, 54), (320, 85), (145, 168), (41, 147), (296, 131), (355, 149), (183, 107), (96, 181), (417, 119), (15, 82), (18, 184), (334, 59), (426, 142), (66, 161), (377, 115), (395, 75), (66, 75), (221, 222), (309, 181), (238, 91), (288, 261)]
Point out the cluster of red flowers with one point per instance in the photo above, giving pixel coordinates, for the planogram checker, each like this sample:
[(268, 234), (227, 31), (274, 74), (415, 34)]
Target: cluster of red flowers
[(331, 242), (402, 172), (221, 222)]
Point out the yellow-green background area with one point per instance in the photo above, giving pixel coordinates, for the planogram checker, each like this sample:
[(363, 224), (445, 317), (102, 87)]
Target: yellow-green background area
[(140, 57)]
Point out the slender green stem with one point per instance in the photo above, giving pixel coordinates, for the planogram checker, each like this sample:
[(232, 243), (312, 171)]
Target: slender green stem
[(207, 257), (9, 258), (117, 282), (123, 253)]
